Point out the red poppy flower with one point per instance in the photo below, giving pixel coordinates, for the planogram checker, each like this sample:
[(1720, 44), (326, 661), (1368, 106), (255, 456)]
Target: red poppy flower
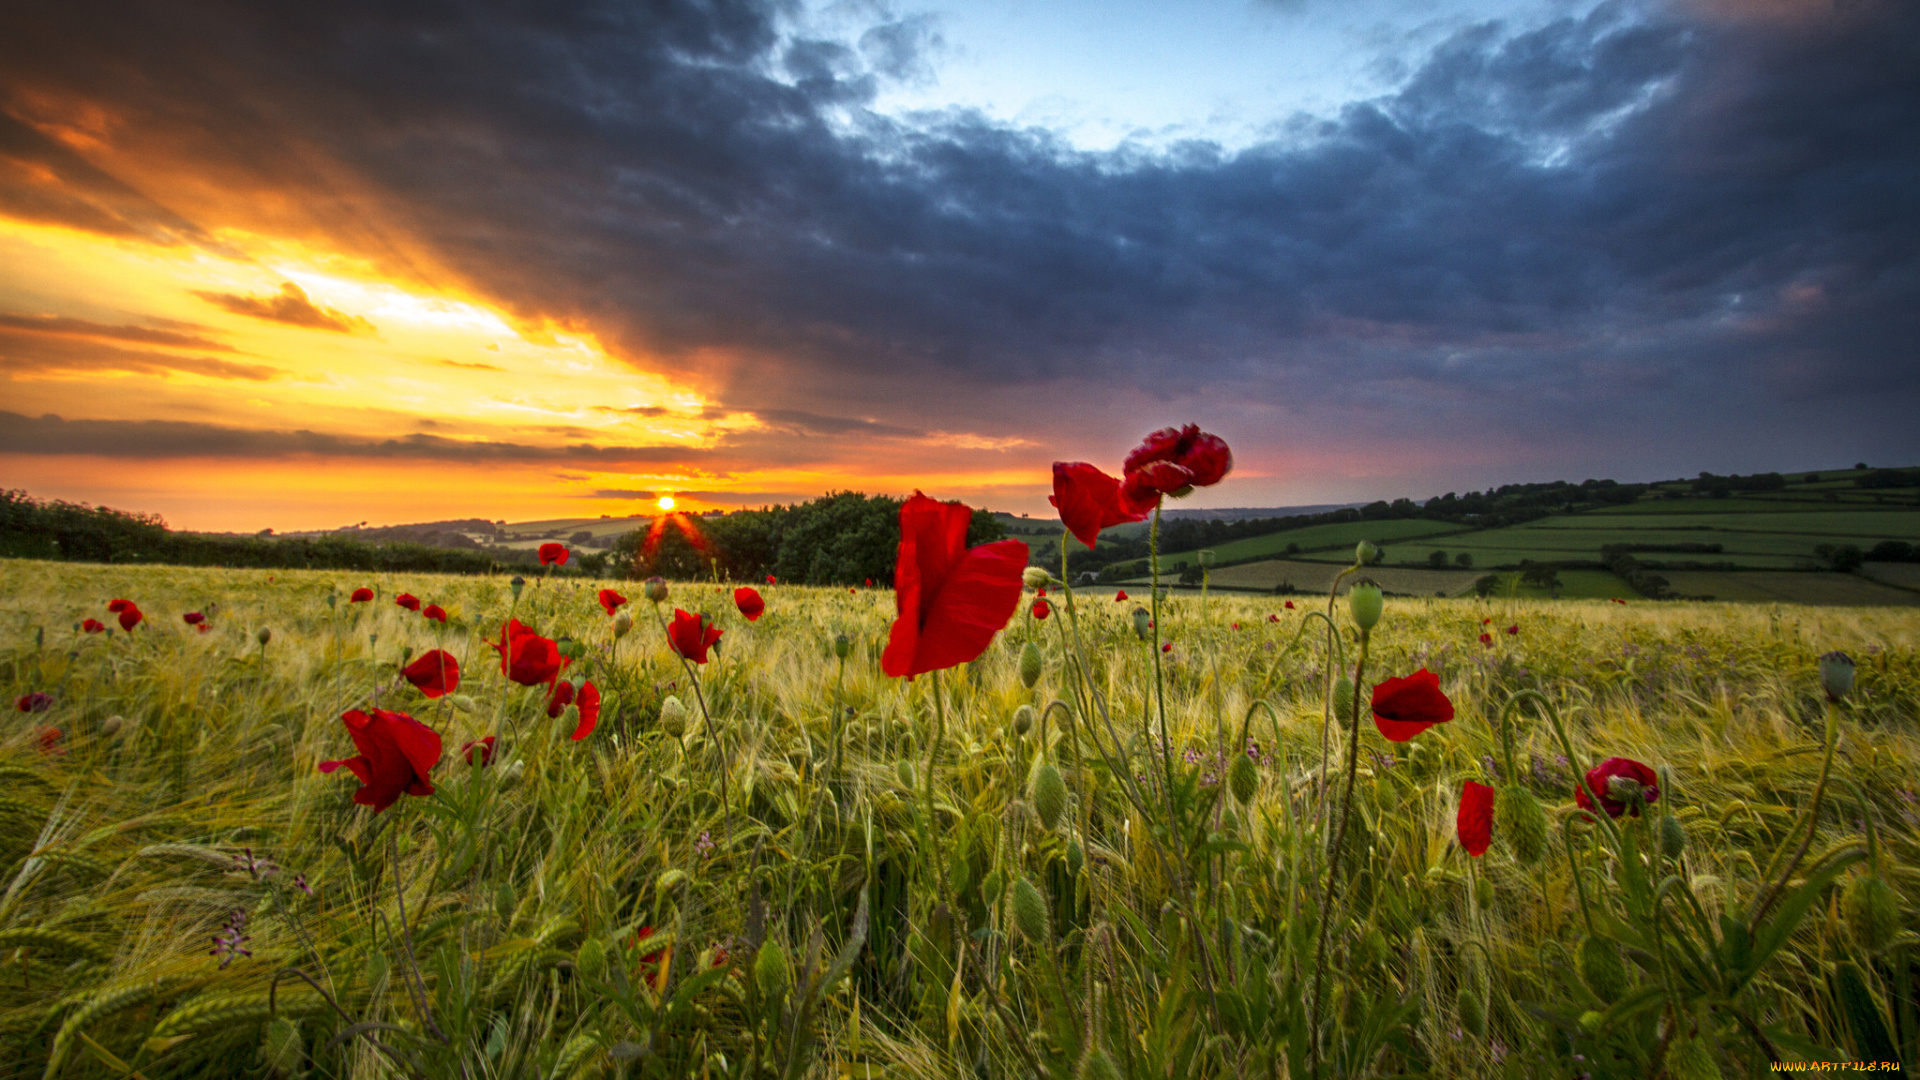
[(869, 583), (1236, 626), (1166, 647), (1090, 500), (50, 741), (526, 657), (483, 747), (559, 698), (408, 600), (1514, 629), (38, 701), (435, 612), (129, 613), (611, 601), (553, 554), (1039, 592), (1405, 707), (1474, 823), (435, 674), (644, 933), (1173, 459), (193, 618), (853, 590), (1042, 609), (1289, 605), (1612, 781), (360, 595), (1119, 596), (1273, 618), (93, 626), (950, 600), (1487, 640), (396, 753), (769, 579), (691, 635), (588, 701), (747, 599), (1617, 600)]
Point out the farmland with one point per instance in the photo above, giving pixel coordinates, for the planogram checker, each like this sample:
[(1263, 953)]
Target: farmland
[(850, 875)]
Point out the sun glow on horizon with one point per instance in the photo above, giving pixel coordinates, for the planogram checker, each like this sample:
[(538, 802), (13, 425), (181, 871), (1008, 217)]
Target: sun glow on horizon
[(666, 502)]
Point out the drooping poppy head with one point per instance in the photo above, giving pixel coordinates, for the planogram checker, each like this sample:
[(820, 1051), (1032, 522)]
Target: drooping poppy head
[(1089, 500), (559, 698), (1120, 596), (93, 626), (37, 702), (1406, 706), (526, 657), (1474, 823), (588, 701), (1171, 460), (1616, 782), (434, 674), (482, 747), (1042, 609), (396, 753), (361, 595), (193, 618), (691, 635), (553, 554), (434, 612), (611, 601), (950, 600), (748, 600), (408, 600), (128, 611)]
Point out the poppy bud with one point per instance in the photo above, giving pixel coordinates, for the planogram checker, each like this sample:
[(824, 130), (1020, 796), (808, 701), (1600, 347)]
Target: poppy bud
[(1030, 665), (265, 635), (1023, 720), (673, 717), (1048, 790), (1371, 949), (1343, 699), (1483, 891), (112, 725), (654, 589), (281, 1047), (1836, 674), (592, 959), (903, 772), (1076, 858), (1673, 836), (842, 645), (622, 623), (1519, 818), (516, 585), (1602, 969), (1242, 779), (463, 702), (1364, 552), (1035, 577), (332, 600), (1142, 622), (1364, 604), (1872, 910), (771, 972), (511, 777), (1030, 912), (1473, 1012), (1688, 1058), (1590, 1021)]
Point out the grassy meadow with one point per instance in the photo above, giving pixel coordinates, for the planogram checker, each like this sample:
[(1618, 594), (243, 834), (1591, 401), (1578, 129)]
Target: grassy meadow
[(785, 864)]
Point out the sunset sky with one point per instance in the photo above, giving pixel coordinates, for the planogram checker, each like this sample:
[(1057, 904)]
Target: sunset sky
[(297, 266)]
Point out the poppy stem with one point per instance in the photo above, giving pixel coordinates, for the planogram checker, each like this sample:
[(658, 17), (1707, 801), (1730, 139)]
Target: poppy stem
[(926, 782), (1333, 857), (1159, 680), (1772, 895), (1573, 762)]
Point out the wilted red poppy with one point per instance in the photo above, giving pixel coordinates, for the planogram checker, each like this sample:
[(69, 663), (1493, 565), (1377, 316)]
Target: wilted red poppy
[(526, 657), (553, 554), (434, 612), (691, 635), (1119, 596), (559, 698), (128, 611), (588, 701), (38, 701), (50, 741), (361, 595), (1406, 706), (396, 753), (1474, 823), (93, 626), (408, 600), (748, 600), (1089, 500), (611, 601), (483, 747), (950, 600), (435, 674), (1614, 781), (1042, 609), (193, 618), (1173, 459), (1487, 640)]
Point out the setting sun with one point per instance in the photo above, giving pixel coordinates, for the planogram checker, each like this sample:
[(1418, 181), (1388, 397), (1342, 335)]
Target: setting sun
[(666, 502)]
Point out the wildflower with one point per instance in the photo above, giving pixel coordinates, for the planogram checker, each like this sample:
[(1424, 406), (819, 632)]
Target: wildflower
[(1406, 706), (1042, 609), (1487, 640), (1617, 600), (611, 601), (482, 747), (869, 583), (129, 613), (1273, 618), (435, 613), (1120, 597), (526, 657), (769, 579), (705, 843), (1474, 822), (691, 635), (1289, 608), (1621, 784), (93, 626), (396, 753), (748, 600), (559, 698), (553, 554), (587, 700), (300, 882), (1236, 626), (408, 600), (1174, 461), (436, 673), (50, 741), (1166, 646), (1513, 630), (36, 702), (361, 595), (1089, 500), (950, 600), (193, 618), (231, 941)]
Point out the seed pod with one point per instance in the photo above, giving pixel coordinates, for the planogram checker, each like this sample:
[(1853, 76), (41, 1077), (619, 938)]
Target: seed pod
[(1602, 969), (1030, 664), (1364, 552), (770, 971), (592, 959), (1049, 793), (1096, 1064), (281, 1048), (673, 717), (1142, 623), (1689, 1058), (112, 725), (654, 589), (1673, 836), (1872, 911), (265, 635), (1030, 912), (1365, 603), (1023, 720), (1473, 1011), (1518, 817), (1343, 699), (1076, 858), (1242, 779), (1836, 675), (622, 623), (842, 645), (514, 586)]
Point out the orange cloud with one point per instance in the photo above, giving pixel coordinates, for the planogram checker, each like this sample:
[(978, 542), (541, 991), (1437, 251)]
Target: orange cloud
[(289, 306)]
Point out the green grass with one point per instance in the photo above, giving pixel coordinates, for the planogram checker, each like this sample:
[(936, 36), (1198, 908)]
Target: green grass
[(893, 823)]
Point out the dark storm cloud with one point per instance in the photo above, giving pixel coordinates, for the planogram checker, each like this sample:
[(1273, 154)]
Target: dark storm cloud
[(291, 306), (1563, 226)]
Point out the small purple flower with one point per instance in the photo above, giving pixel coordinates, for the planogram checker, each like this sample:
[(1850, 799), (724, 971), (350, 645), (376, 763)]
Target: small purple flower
[(232, 941), (300, 882), (705, 843), (1492, 766)]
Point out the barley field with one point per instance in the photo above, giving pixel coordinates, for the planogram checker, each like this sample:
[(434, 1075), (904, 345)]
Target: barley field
[(782, 863)]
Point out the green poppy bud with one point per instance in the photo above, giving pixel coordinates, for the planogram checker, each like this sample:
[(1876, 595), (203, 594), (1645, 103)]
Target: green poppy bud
[(111, 725), (1872, 911), (1030, 665), (1076, 858), (1096, 1064), (1602, 969), (1483, 891), (654, 589), (771, 972), (1343, 699), (903, 771), (1590, 1021), (592, 959), (991, 887), (265, 635), (463, 702), (333, 600), (1520, 820), (673, 717), (1242, 779), (842, 645), (1689, 1058), (1049, 794), (1034, 577), (1030, 912), (1364, 552), (1364, 603), (1142, 623), (622, 623), (518, 583), (1023, 720), (1836, 675), (1473, 1011), (504, 901), (1673, 836), (281, 1048)]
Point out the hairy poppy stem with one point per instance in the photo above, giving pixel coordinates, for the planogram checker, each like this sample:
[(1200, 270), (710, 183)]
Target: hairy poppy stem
[(700, 698), (1779, 885), (1326, 690), (1159, 680), (926, 782), (1333, 858)]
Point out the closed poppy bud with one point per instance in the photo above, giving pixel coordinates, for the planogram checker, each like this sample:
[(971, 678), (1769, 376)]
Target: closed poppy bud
[(1023, 720), (903, 772), (1048, 790), (1042, 609), (1364, 604), (514, 586), (622, 622), (1365, 552), (673, 717), (1030, 664), (1473, 1012), (1689, 1058), (265, 635), (1602, 969), (1836, 675), (654, 589), (1030, 912), (1522, 823), (1673, 836), (771, 972), (1035, 577), (592, 959), (842, 645), (1343, 699), (112, 725), (1142, 622), (1242, 779), (1872, 911)]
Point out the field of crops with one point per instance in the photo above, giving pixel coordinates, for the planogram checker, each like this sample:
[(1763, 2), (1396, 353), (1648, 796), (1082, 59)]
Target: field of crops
[(781, 862)]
